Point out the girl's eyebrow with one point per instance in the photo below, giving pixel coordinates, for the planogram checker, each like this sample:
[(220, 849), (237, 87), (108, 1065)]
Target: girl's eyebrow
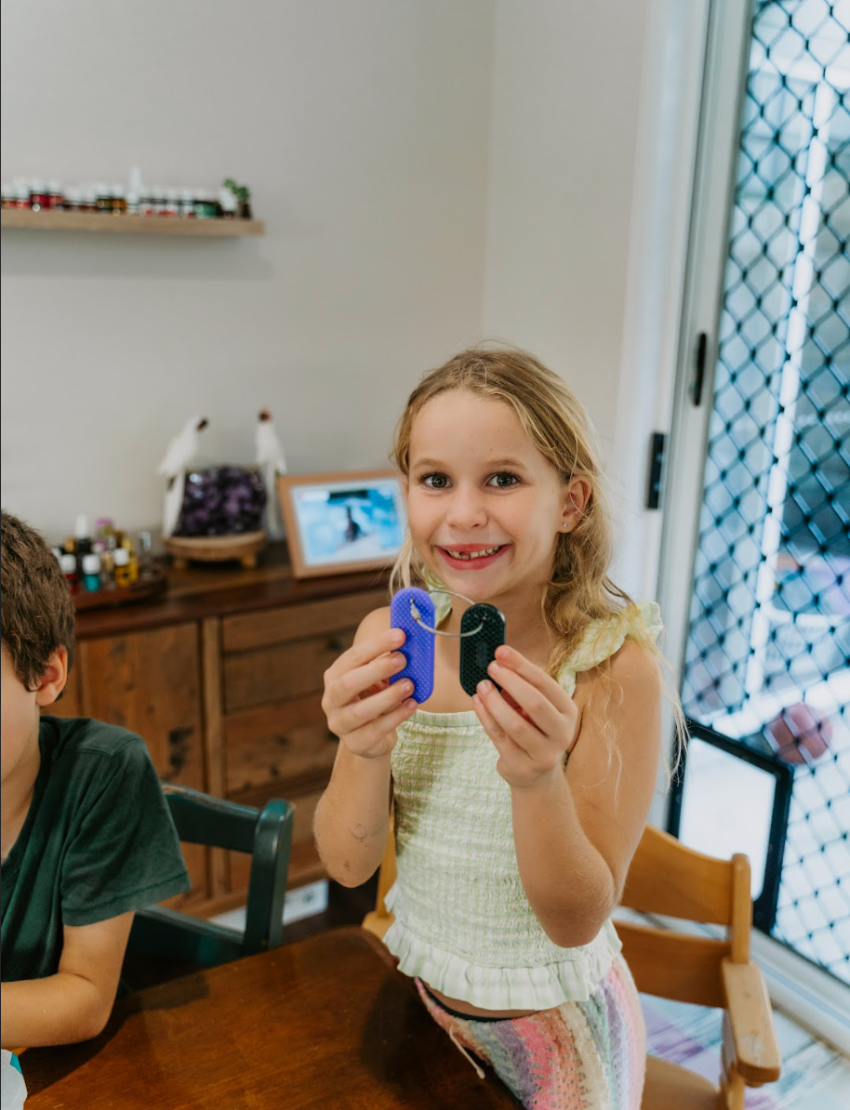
[(492, 464)]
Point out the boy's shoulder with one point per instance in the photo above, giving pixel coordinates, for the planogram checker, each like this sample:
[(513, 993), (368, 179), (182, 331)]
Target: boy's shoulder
[(64, 737)]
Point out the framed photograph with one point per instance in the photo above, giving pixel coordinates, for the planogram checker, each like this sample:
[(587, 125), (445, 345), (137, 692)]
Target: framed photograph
[(342, 522)]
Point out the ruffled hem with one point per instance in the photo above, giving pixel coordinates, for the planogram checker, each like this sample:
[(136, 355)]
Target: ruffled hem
[(504, 988)]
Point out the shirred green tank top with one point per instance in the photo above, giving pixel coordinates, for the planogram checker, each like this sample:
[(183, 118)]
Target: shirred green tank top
[(462, 920)]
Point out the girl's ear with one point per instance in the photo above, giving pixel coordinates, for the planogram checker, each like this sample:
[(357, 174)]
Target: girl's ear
[(574, 502), (54, 678)]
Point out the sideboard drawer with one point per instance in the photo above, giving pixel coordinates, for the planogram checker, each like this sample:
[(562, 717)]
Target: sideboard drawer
[(285, 743), (285, 671), (247, 631)]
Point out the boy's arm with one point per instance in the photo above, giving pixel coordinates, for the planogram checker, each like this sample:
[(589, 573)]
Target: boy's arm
[(75, 1003)]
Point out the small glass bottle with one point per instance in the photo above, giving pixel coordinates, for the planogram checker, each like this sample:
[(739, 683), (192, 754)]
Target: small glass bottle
[(121, 567), (73, 199), (39, 197), (132, 561), (91, 571), (187, 204), (7, 195), (103, 198), (206, 207), (89, 200), (55, 195), (146, 207), (69, 568), (82, 542), (107, 564), (145, 556), (228, 204), (117, 200), (134, 204), (20, 194)]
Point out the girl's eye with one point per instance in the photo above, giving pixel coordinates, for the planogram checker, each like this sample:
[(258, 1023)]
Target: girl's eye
[(434, 481), (504, 480)]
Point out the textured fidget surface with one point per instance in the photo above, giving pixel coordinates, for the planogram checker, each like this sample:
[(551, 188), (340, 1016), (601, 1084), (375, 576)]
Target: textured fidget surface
[(477, 652), (418, 648)]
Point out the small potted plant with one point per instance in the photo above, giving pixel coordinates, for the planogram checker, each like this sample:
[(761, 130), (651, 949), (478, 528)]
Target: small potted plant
[(243, 197)]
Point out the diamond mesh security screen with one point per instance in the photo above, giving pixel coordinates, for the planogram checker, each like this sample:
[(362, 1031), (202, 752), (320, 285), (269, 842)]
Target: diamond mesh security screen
[(768, 658)]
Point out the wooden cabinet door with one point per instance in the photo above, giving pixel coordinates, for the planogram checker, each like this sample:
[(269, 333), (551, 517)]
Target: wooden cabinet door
[(150, 682)]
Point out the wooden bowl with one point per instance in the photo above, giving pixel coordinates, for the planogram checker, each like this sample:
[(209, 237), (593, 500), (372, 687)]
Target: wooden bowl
[(215, 549)]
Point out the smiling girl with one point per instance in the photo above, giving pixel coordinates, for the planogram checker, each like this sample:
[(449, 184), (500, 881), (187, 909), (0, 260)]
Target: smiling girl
[(517, 811)]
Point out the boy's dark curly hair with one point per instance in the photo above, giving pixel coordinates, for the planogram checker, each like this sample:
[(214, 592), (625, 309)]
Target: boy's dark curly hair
[(37, 610)]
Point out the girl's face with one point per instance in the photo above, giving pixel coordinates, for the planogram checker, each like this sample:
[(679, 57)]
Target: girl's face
[(485, 507)]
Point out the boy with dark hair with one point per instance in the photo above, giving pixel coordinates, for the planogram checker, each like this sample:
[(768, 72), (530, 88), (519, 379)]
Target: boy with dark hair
[(85, 832)]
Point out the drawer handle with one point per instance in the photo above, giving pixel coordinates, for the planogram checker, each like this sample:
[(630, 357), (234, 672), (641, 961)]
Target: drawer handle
[(335, 643)]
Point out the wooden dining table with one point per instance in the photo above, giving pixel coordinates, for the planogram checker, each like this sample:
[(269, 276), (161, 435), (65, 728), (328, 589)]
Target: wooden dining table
[(326, 1022)]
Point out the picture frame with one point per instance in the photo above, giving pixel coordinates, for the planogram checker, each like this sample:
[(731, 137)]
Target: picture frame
[(342, 521)]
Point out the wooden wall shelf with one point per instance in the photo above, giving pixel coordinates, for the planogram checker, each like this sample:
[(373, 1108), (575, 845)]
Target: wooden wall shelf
[(23, 220)]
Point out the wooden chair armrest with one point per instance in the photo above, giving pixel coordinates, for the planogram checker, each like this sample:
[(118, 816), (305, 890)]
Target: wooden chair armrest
[(749, 1042)]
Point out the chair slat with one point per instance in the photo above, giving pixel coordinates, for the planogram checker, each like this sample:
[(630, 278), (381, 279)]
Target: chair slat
[(670, 879), (673, 965)]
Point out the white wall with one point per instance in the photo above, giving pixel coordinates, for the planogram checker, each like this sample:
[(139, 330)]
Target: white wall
[(565, 108), (363, 131), (592, 148), (430, 173)]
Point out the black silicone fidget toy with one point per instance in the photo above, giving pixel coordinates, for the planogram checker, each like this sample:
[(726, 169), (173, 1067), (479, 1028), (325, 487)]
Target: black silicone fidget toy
[(478, 652)]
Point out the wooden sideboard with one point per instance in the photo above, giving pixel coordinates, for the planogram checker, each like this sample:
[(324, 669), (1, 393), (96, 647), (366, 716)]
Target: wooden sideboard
[(222, 677)]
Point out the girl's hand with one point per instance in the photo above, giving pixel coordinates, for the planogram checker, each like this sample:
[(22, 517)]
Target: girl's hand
[(532, 721), (361, 706)]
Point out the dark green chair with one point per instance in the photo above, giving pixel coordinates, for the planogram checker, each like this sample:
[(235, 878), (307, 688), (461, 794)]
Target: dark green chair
[(266, 834)]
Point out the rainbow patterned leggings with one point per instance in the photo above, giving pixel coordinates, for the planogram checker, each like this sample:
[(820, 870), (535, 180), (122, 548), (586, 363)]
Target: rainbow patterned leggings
[(578, 1056)]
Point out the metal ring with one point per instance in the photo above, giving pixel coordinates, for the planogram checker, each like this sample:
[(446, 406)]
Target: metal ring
[(414, 612)]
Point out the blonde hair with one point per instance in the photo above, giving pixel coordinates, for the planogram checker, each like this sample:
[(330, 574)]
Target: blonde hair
[(556, 422)]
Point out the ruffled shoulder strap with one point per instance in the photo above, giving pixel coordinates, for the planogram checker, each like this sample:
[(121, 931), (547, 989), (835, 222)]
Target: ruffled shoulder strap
[(603, 638)]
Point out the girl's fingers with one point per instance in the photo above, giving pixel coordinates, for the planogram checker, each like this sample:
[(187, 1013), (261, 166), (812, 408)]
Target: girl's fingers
[(347, 686), (504, 744), (366, 652), (548, 687), (356, 714), (526, 700), (366, 736), (507, 724)]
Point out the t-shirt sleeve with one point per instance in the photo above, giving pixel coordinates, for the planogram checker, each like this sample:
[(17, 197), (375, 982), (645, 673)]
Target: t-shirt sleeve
[(123, 853)]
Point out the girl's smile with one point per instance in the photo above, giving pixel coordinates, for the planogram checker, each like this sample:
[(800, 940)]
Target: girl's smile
[(485, 506), (471, 556)]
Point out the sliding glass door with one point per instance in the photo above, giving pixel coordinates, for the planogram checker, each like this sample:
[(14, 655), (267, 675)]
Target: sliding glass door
[(765, 630)]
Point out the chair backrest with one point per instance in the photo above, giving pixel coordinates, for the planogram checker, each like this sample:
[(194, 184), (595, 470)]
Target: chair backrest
[(264, 834), (668, 879)]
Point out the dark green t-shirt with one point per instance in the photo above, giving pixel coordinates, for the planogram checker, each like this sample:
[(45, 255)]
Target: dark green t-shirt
[(98, 841)]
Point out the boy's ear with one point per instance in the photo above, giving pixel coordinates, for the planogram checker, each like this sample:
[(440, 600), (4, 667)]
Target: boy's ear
[(54, 678)]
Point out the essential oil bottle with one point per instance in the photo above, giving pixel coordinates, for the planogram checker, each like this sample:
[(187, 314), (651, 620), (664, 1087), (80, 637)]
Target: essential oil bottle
[(91, 571), (68, 563), (121, 567)]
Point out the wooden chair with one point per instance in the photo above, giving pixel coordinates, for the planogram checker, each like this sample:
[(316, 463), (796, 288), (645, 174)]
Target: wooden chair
[(264, 834), (668, 879)]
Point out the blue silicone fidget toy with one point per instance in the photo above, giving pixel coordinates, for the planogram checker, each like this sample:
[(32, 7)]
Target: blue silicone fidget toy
[(418, 648)]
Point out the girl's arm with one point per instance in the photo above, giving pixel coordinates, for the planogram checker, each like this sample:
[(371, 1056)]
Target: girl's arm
[(576, 832), (352, 819)]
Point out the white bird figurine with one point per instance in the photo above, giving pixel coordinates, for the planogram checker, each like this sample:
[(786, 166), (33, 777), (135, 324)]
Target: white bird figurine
[(181, 451), (269, 457)]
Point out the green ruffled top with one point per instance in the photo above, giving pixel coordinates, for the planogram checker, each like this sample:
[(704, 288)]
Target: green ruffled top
[(462, 920)]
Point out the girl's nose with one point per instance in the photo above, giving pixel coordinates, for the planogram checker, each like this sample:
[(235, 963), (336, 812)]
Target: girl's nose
[(466, 509)]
